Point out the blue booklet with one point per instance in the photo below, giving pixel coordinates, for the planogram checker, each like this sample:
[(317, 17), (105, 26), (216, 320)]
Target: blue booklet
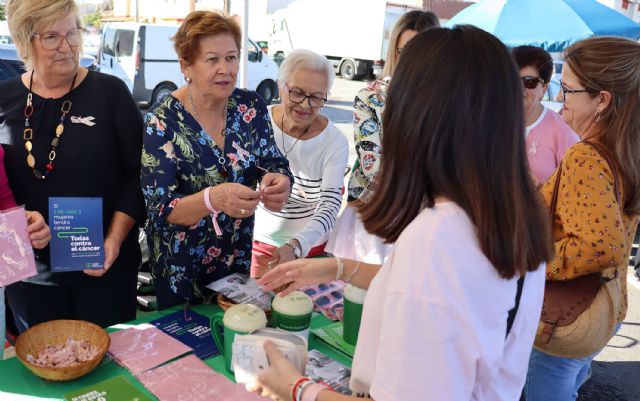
[(194, 331), (77, 240)]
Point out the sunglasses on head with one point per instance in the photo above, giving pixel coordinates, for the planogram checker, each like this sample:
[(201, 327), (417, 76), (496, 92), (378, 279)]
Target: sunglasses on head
[(531, 82)]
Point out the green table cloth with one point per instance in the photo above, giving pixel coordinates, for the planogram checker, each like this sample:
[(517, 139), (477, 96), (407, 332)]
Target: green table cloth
[(17, 383)]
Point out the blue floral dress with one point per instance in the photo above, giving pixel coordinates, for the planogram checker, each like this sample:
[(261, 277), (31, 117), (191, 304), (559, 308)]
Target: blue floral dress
[(180, 159)]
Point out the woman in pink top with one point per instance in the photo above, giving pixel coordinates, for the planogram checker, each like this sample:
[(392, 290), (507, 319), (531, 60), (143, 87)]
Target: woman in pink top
[(39, 234), (547, 136)]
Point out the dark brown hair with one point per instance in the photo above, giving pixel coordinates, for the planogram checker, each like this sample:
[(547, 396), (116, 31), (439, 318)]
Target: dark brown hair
[(199, 24), (448, 134), (531, 56), (613, 65)]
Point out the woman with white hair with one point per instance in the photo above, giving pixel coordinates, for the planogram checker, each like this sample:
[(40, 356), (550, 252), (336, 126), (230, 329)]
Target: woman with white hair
[(317, 153)]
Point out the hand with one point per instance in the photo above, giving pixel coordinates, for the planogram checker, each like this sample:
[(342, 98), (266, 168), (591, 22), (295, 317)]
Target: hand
[(283, 254), (111, 252), (274, 191), (299, 273), (38, 230), (278, 379), (235, 200)]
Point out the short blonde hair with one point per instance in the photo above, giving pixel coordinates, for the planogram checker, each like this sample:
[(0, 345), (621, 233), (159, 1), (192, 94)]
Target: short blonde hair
[(303, 59), (199, 24), (25, 17)]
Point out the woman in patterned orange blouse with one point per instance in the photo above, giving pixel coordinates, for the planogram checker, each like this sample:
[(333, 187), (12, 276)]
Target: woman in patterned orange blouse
[(593, 231)]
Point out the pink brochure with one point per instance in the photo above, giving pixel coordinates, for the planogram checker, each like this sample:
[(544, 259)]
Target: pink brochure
[(144, 347), (16, 255), (191, 379)]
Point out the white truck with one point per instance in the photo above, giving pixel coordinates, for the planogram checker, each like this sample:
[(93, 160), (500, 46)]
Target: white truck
[(142, 55), (352, 34)]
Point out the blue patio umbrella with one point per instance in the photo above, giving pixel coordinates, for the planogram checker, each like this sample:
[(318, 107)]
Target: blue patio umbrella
[(550, 24)]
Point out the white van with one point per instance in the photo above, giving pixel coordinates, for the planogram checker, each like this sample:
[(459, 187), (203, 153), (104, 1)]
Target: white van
[(142, 55)]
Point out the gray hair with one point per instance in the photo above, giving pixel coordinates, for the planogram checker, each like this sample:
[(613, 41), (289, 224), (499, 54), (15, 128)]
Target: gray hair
[(303, 59)]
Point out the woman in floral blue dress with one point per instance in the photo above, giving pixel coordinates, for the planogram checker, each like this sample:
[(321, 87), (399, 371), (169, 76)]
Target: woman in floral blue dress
[(207, 146)]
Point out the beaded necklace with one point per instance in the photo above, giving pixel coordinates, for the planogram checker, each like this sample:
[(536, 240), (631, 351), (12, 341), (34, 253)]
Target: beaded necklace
[(28, 132)]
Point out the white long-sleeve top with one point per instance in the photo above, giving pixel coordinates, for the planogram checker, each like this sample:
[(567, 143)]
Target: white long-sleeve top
[(318, 166)]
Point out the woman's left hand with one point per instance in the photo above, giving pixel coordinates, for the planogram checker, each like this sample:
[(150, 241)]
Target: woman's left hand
[(274, 191), (111, 252), (278, 379), (38, 230)]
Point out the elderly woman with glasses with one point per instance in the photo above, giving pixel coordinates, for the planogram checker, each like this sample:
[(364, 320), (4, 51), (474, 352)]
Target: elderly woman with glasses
[(207, 148), (72, 133), (547, 136), (317, 152)]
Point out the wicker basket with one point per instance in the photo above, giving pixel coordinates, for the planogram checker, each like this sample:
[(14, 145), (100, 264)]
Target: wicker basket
[(56, 332)]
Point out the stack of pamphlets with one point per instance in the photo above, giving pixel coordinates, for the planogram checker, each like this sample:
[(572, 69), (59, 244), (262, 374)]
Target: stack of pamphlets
[(144, 347), (323, 368), (242, 289), (250, 359), (16, 255), (332, 335), (191, 379), (115, 389), (191, 329)]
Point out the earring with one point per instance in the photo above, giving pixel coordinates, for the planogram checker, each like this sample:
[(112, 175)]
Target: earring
[(187, 79), (597, 116)]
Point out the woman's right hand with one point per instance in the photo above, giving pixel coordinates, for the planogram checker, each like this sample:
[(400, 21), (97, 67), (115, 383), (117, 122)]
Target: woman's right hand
[(299, 273), (235, 200)]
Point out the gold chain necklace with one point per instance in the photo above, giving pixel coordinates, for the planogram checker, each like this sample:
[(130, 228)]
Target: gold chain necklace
[(27, 135)]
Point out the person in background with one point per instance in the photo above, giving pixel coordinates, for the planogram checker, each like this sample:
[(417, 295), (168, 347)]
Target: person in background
[(349, 239), (74, 133), (592, 230), (206, 148), (317, 153), (435, 316), (37, 228), (547, 136)]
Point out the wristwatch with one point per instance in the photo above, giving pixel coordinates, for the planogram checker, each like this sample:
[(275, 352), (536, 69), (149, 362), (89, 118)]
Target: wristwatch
[(297, 249)]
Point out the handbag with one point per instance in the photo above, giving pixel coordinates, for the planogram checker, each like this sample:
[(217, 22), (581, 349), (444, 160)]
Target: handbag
[(579, 316)]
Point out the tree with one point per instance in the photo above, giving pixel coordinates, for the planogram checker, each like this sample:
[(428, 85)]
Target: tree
[(92, 19), (3, 16)]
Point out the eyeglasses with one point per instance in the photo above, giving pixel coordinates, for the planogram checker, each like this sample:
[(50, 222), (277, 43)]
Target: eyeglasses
[(566, 90), (297, 96), (531, 82), (52, 41)]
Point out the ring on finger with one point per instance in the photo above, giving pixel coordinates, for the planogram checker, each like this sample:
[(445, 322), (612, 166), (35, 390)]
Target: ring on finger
[(242, 211)]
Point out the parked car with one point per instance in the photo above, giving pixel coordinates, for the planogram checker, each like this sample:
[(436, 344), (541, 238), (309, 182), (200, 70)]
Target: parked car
[(11, 65), (142, 55)]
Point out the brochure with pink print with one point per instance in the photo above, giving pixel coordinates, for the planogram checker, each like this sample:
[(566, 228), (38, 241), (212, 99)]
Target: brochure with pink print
[(144, 347), (16, 255), (191, 379)]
